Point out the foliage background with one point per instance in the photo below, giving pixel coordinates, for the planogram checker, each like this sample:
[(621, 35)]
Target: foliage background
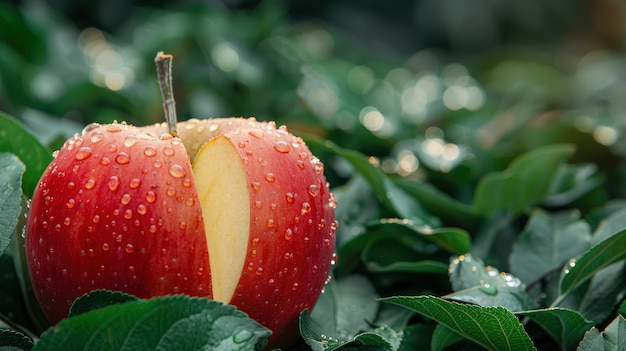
[(424, 102)]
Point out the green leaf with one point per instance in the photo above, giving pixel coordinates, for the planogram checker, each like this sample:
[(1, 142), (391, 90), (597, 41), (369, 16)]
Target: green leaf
[(416, 337), (11, 170), (486, 286), (599, 256), (613, 338), (346, 307), (452, 239), (16, 139), (547, 242), (444, 337), (11, 340), (565, 326), (525, 182), (165, 323), (494, 328), (98, 299), (384, 339)]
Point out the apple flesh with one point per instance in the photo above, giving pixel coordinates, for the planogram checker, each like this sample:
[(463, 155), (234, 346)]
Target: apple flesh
[(251, 223)]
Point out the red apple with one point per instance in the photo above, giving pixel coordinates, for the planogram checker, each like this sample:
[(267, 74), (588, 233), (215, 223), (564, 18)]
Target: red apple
[(251, 223)]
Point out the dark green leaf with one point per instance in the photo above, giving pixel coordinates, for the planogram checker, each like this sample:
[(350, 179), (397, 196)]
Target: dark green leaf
[(11, 170), (444, 337), (596, 258), (547, 242), (17, 140), (486, 286), (416, 337), (165, 323), (613, 338), (383, 339), (451, 239), (11, 340), (565, 326), (495, 328), (98, 299), (525, 182)]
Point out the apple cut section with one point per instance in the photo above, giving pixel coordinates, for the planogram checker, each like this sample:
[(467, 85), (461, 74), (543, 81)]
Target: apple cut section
[(223, 192)]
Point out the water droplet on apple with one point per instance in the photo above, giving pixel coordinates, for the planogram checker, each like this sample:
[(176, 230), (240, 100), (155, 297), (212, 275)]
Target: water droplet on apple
[(152, 228), (270, 223), (125, 199), (96, 137), (190, 202), (129, 248), (257, 203), (131, 268), (67, 221), (151, 196), (90, 253), (257, 134), (83, 153), (105, 247), (168, 151), (255, 241), (256, 186), (170, 191), (326, 242), (177, 171), (250, 265), (90, 183), (306, 240), (288, 234), (182, 225), (114, 183), (112, 148), (96, 219), (241, 144), (70, 203), (149, 151), (57, 227), (259, 271), (295, 286), (122, 158), (128, 214), (130, 141), (112, 128), (71, 185), (282, 147), (306, 207), (314, 190), (314, 269), (212, 128), (105, 161), (134, 183)]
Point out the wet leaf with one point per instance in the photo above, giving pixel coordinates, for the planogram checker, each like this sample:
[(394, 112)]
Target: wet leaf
[(98, 299), (11, 340), (613, 338), (11, 170), (565, 326)]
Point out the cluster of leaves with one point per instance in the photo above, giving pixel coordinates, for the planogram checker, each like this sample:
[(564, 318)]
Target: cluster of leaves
[(481, 202)]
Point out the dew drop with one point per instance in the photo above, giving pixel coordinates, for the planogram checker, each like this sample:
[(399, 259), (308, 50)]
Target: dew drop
[(250, 265), (122, 158), (182, 225), (130, 140), (129, 248), (71, 185), (96, 137), (187, 182), (125, 199), (67, 221), (314, 190), (105, 247), (71, 203), (83, 153), (256, 186), (326, 242), (168, 151), (114, 183), (270, 223), (152, 228), (134, 183), (242, 336), (151, 196), (255, 241), (149, 151), (190, 202), (157, 164), (112, 148), (290, 197), (300, 164), (177, 171), (112, 128), (90, 183), (306, 207), (241, 144), (95, 219), (288, 234), (259, 271), (171, 191), (295, 286), (488, 289), (257, 203), (257, 134), (270, 177), (128, 214), (282, 147), (131, 268), (105, 161), (57, 227)]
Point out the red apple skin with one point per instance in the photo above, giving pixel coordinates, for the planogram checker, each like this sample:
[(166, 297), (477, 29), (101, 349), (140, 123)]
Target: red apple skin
[(78, 236), (116, 209), (292, 226)]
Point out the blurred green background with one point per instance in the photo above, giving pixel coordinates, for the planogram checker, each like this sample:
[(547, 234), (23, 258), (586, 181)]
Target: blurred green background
[(437, 91)]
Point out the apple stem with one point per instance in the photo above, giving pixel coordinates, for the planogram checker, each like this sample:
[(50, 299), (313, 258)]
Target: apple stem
[(164, 72)]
